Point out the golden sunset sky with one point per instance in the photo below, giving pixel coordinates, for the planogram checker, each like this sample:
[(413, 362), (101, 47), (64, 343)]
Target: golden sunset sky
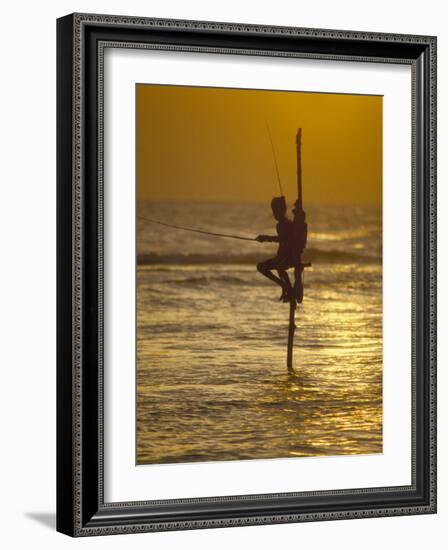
[(212, 144)]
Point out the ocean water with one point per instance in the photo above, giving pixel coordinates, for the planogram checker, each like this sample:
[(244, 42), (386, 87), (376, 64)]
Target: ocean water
[(212, 382)]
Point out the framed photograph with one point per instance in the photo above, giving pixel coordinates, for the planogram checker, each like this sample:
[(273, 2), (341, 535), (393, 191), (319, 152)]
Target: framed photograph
[(246, 274)]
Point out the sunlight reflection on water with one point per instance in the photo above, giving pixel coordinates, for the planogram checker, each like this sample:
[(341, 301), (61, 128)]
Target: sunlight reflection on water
[(211, 375)]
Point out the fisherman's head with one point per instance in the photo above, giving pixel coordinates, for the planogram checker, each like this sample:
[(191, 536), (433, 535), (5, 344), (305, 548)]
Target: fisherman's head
[(278, 205)]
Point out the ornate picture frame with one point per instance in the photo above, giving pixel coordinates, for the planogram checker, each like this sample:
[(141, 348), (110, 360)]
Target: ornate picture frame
[(81, 506)]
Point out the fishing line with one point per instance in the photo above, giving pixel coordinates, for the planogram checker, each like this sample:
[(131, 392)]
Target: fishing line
[(275, 158), (172, 226)]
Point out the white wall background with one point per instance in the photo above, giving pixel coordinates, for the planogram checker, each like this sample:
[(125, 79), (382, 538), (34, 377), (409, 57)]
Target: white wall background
[(27, 290)]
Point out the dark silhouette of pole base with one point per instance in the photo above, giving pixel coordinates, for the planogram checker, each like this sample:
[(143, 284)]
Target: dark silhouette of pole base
[(298, 295), (291, 330)]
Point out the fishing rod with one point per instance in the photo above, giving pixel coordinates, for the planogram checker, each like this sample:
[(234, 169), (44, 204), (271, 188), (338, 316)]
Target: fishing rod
[(172, 226), (275, 158), (212, 233)]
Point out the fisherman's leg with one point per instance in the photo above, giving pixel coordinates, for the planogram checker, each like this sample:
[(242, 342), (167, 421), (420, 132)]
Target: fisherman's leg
[(287, 287), (265, 268), (283, 274), (298, 284)]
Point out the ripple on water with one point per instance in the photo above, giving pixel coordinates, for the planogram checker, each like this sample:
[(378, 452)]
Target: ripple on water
[(211, 377)]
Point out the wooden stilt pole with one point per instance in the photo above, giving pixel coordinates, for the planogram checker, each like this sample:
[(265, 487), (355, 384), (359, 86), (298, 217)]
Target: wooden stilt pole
[(291, 330), (297, 213), (299, 168)]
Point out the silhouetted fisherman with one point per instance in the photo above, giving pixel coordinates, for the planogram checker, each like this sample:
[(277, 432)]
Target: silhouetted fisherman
[(291, 237)]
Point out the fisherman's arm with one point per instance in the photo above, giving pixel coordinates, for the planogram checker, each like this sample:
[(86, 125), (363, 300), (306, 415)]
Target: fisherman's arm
[(268, 239)]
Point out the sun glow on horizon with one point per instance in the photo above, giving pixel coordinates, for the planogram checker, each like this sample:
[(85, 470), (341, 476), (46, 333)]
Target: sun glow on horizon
[(212, 144)]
